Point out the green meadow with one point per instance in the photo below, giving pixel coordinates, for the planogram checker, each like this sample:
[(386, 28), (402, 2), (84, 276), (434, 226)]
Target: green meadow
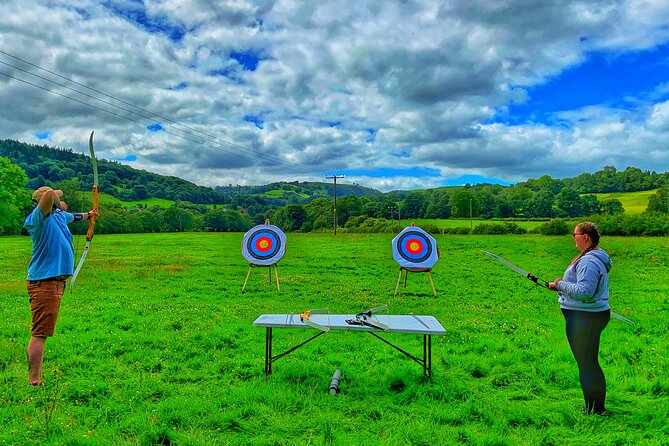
[(156, 346), (633, 202), (110, 200), (445, 223)]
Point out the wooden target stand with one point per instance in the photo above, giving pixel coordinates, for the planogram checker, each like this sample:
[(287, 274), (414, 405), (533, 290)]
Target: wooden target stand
[(408, 270), (255, 265), (276, 273), (427, 265)]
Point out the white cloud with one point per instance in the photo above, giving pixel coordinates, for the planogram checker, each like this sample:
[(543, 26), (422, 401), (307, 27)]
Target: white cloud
[(339, 85)]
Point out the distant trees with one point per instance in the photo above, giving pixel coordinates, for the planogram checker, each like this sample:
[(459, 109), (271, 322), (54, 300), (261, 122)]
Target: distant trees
[(659, 201), (47, 165), (14, 198), (223, 220), (612, 206), (570, 203), (305, 206)]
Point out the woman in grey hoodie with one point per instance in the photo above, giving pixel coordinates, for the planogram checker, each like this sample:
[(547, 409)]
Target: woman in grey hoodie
[(583, 294)]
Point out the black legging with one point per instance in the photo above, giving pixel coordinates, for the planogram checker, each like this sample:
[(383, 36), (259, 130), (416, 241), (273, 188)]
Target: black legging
[(583, 332)]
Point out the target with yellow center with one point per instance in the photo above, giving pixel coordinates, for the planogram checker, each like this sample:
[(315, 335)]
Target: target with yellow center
[(415, 248), (264, 245)]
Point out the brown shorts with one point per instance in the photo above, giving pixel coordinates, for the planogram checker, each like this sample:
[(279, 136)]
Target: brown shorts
[(44, 305)]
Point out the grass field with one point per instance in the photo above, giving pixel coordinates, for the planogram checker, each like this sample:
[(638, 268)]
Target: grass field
[(156, 346), (465, 223), (633, 202), (109, 200)]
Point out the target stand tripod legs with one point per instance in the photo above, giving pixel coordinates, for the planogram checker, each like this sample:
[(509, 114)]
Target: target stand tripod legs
[(434, 291), (247, 278), (406, 273), (399, 278), (276, 274)]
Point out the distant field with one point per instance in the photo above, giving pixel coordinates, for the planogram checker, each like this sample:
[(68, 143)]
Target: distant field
[(279, 193), (633, 202), (457, 223), (107, 199)]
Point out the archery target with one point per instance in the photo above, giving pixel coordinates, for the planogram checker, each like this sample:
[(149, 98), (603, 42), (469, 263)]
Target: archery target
[(415, 248), (264, 245)]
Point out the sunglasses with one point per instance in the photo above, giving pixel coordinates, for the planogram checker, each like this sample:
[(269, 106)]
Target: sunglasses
[(575, 234)]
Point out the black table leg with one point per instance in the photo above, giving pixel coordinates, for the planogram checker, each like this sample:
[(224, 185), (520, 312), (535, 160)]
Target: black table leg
[(268, 352)]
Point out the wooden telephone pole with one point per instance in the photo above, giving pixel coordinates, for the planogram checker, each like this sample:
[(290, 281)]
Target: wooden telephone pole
[(334, 178)]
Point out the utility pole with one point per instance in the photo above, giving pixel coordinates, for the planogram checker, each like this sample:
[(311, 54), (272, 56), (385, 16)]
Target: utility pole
[(334, 178), (399, 218)]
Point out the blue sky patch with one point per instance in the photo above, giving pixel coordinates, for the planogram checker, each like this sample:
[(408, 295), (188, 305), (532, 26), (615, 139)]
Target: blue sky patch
[(248, 59), (331, 124), (372, 135), (134, 11), (256, 120), (227, 73), (83, 13), (180, 86), (473, 180), (154, 127), (383, 172), (126, 158), (604, 79)]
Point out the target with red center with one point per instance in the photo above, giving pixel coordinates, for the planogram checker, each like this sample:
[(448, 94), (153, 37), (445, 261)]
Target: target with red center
[(264, 245), (415, 248)]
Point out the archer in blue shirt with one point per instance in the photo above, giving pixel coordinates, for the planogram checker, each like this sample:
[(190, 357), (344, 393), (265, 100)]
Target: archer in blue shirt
[(51, 263)]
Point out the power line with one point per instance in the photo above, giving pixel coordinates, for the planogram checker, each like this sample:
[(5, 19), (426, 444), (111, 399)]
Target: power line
[(253, 156), (189, 130)]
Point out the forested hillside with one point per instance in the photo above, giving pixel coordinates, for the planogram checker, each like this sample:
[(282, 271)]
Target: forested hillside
[(48, 165), (307, 207)]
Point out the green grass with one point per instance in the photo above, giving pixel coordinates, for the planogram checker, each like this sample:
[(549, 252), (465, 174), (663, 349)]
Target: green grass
[(633, 202), (280, 193), (110, 200), (157, 346), (466, 223)]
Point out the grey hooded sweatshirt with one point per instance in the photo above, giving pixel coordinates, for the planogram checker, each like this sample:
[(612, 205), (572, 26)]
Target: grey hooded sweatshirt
[(585, 285)]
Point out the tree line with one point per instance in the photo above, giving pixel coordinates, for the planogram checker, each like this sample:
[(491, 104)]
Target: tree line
[(48, 165), (198, 208)]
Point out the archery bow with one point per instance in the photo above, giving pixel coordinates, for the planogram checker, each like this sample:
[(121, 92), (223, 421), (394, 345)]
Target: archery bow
[(92, 219), (365, 318), (520, 271), (543, 284), (304, 317)]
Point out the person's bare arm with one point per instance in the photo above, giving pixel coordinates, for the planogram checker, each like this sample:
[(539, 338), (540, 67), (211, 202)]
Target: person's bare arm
[(48, 200)]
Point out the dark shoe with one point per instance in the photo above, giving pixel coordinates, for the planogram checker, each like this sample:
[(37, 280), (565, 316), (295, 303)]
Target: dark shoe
[(601, 413)]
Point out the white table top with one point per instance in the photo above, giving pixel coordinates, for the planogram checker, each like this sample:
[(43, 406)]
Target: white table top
[(397, 323)]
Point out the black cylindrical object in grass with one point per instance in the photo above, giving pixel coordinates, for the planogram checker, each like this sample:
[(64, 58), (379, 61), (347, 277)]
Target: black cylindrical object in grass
[(334, 384)]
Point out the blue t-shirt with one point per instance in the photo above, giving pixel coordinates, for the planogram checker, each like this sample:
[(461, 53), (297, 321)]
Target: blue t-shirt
[(53, 253)]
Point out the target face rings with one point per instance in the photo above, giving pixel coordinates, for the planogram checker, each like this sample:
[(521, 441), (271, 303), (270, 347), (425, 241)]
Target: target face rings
[(415, 248), (264, 245)]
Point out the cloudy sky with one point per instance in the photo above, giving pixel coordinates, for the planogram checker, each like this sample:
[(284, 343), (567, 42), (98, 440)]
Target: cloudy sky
[(392, 94)]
